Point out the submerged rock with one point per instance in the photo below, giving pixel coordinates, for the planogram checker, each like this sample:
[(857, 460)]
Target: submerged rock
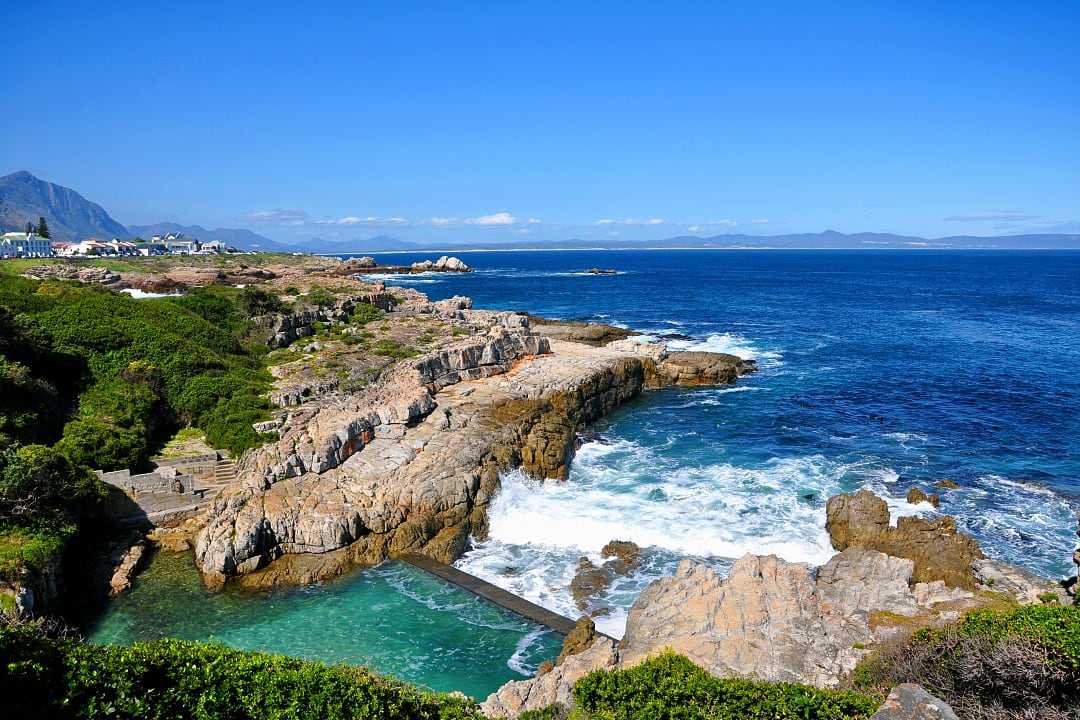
[(916, 495)]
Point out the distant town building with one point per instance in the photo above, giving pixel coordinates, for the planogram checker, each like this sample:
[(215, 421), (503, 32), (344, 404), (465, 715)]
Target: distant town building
[(25, 245)]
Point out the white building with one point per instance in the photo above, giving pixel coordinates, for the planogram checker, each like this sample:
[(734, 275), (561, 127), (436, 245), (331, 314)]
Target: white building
[(24, 244)]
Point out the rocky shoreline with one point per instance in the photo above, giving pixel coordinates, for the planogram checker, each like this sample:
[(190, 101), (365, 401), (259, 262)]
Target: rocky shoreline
[(411, 463), (778, 621)]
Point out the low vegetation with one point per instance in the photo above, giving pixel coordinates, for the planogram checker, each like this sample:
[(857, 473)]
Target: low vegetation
[(43, 677), (1017, 663), (670, 687)]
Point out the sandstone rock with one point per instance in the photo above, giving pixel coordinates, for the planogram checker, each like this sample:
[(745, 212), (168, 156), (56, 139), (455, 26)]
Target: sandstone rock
[(588, 582), (365, 262), (915, 495), (938, 550), (377, 471), (946, 484), (451, 264), (579, 639), (912, 702), (1023, 586), (864, 581), (702, 368), (595, 334), (626, 553), (556, 686), (126, 569), (765, 620), (601, 271)]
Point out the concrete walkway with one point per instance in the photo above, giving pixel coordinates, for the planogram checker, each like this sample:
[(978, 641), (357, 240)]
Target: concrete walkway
[(492, 593)]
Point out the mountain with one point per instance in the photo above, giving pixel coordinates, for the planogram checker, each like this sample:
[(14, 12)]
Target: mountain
[(236, 237), (24, 198)]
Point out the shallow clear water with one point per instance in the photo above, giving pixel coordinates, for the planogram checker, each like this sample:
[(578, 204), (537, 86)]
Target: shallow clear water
[(879, 369), (394, 619)]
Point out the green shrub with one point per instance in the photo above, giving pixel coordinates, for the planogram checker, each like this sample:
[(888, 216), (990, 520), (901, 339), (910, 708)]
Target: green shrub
[(392, 348), (670, 686), (41, 677), (991, 663), (365, 313)]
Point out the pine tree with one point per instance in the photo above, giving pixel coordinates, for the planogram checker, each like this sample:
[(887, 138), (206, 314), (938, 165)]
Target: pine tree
[(29, 228), (43, 228)]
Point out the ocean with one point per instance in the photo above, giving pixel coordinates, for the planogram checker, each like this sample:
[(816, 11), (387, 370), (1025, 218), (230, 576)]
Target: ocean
[(879, 369)]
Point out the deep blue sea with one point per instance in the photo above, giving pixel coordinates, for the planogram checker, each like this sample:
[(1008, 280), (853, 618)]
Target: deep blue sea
[(886, 370)]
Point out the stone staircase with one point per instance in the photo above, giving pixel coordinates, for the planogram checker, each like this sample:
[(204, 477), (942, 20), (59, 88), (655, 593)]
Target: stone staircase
[(224, 471)]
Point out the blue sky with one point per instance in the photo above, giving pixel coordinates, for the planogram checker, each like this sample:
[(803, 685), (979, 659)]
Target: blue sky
[(507, 121)]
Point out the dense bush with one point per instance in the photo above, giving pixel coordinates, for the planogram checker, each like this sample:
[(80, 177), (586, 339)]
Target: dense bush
[(46, 678), (670, 686), (43, 496), (148, 367), (995, 664)]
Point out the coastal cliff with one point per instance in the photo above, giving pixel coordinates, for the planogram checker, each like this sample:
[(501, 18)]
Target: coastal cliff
[(411, 463)]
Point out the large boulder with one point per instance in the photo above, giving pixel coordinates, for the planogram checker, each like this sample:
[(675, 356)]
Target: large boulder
[(765, 620), (938, 550), (912, 702)]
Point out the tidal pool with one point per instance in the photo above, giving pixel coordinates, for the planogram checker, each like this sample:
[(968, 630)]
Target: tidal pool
[(394, 619)]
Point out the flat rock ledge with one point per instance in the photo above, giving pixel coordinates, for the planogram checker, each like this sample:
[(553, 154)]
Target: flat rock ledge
[(410, 464), (778, 621)]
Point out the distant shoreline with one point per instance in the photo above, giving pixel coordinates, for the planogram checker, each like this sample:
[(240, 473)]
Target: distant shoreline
[(450, 251)]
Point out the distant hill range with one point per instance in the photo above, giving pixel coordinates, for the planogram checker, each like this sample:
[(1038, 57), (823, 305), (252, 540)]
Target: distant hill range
[(24, 198)]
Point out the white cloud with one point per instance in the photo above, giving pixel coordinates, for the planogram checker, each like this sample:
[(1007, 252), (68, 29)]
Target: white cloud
[(534, 221), (285, 216), (726, 222), (760, 221), (695, 228), (370, 220), (495, 219), (632, 221), (443, 221)]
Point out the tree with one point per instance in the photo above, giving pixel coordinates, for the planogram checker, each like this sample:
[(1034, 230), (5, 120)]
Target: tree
[(43, 228), (29, 228)]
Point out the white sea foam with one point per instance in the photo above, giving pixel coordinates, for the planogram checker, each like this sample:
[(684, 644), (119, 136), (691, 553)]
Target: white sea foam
[(733, 344), (142, 295), (518, 662), (624, 491)]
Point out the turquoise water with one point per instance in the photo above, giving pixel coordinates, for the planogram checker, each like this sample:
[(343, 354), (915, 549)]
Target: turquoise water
[(393, 618)]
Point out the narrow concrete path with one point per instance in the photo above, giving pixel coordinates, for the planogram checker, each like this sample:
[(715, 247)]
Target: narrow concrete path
[(492, 593)]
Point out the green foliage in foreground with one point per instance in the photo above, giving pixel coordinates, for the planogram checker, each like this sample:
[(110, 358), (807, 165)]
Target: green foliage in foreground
[(1023, 661), (47, 678), (1057, 628), (669, 686)]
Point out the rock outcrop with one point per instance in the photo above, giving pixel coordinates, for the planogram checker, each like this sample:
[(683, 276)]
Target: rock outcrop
[(917, 495), (768, 619), (411, 462), (912, 702), (938, 550), (443, 264)]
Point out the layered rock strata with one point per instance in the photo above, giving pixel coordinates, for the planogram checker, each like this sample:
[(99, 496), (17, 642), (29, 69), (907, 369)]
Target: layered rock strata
[(411, 463)]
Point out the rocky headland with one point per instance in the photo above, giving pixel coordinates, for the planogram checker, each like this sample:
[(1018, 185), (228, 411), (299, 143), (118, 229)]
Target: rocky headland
[(410, 462)]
